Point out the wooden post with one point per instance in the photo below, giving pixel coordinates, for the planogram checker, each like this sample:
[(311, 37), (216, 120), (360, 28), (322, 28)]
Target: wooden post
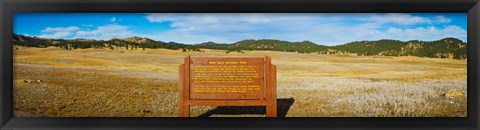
[(271, 100), (184, 70), (267, 86), (186, 92), (273, 90), (181, 86), (180, 90)]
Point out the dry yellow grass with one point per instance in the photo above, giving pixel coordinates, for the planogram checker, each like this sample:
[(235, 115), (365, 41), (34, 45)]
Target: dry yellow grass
[(135, 83)]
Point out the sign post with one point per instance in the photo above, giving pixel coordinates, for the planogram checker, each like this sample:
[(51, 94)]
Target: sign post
[(228, 81)]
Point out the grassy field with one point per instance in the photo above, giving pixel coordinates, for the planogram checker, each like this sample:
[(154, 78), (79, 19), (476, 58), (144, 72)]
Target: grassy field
[(54, 82)]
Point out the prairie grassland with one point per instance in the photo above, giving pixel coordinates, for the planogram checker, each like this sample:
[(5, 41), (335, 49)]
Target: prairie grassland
[(53, 82)]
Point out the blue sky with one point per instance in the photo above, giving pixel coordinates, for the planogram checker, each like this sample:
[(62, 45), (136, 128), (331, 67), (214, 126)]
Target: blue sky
[(194, 28)]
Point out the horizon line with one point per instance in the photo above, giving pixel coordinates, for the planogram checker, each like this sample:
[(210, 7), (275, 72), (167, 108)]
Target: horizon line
[(244, 40)]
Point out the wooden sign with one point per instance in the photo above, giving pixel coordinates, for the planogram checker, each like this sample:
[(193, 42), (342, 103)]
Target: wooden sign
[(227, 82)]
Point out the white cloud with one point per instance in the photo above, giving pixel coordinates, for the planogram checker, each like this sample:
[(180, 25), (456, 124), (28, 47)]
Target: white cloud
[(399, 18), (56, 35), (431, 32), (58, 32), (87, 25), (196, 28), (102, 32), (394, 30), (60, 29), (160, 18), (442, 19), (328, 29), (106, 32)]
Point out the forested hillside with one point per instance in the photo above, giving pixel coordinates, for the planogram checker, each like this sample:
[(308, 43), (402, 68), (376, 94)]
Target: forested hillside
[(445, 48)]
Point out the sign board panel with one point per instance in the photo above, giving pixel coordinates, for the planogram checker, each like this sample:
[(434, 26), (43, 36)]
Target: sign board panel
[(227, 78), (227, 81)]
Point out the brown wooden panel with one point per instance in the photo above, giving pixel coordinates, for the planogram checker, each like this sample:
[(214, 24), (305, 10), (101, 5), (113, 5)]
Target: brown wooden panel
[(254, 80), (268, 78), (187, 77), (227, 78), (183, 109), (227, 102), (272, 92)]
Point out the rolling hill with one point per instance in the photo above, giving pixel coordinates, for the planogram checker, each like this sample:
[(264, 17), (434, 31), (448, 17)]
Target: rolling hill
[(451, 48)]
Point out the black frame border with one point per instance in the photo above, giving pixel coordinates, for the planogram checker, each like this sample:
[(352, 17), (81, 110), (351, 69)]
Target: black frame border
[(9, 7)]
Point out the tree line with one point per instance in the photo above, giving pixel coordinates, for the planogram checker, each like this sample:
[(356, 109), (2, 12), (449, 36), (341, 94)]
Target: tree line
[(444, 48)]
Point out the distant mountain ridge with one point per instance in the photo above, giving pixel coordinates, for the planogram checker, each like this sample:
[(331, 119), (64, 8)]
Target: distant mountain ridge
[(135, 39), (451, 48)]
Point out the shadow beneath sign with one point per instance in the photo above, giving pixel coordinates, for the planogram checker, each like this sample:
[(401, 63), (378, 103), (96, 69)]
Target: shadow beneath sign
[(283, 105)]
